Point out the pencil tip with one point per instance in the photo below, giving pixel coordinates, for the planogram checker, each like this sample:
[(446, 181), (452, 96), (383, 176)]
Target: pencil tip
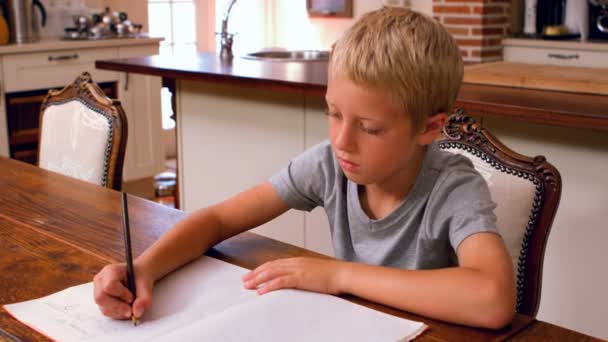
[(135, 321)]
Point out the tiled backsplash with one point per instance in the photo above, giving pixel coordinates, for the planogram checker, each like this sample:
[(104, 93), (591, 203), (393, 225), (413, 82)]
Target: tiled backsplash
[(477, 25)]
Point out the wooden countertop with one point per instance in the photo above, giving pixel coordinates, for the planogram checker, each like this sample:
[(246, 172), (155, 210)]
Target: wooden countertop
[(204, 66), (62, 44), (582, 80), (547, 107)]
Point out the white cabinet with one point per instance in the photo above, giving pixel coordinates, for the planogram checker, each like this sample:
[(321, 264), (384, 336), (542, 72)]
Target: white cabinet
[(583, 54), (140, 98), (316, 227), (232, 138), (55, 64), (54, 69)]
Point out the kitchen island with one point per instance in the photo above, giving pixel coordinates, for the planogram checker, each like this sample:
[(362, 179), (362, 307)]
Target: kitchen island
[(239, 122)]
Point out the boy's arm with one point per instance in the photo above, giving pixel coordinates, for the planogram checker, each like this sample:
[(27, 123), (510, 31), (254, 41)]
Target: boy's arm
[(186, 241), (480, 292), (203, 228)]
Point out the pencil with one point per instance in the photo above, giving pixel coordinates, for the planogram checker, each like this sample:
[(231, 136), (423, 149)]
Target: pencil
[(128, 256)]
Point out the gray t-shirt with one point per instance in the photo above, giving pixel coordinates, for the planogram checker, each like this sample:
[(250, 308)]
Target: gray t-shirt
[(448, 202)]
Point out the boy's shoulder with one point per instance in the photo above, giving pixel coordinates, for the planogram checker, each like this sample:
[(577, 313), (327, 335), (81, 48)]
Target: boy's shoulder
[(446, 163), (455, 174)]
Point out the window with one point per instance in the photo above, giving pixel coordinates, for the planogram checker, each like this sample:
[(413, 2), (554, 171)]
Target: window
[(174, 20), (251, 20), (274, 24)]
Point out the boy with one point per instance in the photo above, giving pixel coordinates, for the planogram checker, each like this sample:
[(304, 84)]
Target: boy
[(413, 227)]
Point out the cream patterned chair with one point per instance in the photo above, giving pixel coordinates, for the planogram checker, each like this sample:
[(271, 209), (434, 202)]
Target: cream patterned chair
[(526, 191), (83, 134)]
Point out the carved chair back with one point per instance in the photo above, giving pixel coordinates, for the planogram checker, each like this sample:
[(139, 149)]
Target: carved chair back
[(526, 191), (83, 133)]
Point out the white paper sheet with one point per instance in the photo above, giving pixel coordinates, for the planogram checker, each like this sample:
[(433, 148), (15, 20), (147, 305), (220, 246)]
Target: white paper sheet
[(206, 301)]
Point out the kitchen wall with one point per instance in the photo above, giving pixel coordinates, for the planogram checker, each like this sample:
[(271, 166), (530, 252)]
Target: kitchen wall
[(315, 33)]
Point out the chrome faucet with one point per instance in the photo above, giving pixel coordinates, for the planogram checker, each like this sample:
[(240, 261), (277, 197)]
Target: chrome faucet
[(225, 37)]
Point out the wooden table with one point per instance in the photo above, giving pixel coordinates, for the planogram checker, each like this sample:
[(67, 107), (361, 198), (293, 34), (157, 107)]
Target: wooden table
[(57, 232)]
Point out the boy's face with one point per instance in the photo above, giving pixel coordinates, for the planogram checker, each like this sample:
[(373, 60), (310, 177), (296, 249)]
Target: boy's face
[(373, 140)]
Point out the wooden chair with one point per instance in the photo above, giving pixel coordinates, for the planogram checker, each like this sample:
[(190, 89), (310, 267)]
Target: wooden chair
[(83, 134), (526, 191)]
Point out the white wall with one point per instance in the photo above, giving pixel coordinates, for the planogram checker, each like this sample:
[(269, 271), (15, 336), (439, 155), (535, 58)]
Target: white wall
[(320, 33)]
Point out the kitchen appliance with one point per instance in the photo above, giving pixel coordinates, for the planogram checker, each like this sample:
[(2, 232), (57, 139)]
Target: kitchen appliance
[(530, 17), (23, 20), (549, 16), (577, 17), (105, 25), (598, 19)]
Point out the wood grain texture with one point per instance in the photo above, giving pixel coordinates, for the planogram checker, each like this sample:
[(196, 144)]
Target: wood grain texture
[(543, 77), (278, 75), (547, 332), (34, 265), (535, 106), (57, 231)]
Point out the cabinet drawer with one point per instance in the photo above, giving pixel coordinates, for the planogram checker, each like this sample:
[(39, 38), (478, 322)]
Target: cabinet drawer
[(54, 69), (555, 56)]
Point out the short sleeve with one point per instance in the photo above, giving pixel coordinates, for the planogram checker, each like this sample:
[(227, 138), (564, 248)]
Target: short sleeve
[(464, 203), (303, 183)]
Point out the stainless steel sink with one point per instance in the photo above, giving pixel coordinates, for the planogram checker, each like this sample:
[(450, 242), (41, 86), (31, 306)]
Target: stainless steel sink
[(290, 56)]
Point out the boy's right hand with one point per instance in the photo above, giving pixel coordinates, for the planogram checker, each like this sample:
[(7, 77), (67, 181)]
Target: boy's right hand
[(114, 298)]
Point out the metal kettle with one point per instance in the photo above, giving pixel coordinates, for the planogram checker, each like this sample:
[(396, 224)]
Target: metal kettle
[(23, 21)]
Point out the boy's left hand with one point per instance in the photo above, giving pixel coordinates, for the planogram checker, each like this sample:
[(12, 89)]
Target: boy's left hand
[(305, 273)]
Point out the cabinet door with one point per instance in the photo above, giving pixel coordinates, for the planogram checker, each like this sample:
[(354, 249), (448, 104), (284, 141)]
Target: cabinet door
[(316, 226), (232, 138), (140, 98)]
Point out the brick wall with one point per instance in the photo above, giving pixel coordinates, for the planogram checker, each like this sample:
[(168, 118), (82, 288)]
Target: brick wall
[(477, 25)]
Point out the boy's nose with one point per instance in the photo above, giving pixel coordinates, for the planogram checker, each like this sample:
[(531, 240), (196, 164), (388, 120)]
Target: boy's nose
[(345, 138)]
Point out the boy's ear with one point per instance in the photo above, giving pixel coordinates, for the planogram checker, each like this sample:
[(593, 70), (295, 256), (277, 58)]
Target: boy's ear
[(432, 128)]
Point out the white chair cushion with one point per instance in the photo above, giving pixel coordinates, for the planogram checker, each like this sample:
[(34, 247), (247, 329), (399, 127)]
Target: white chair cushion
[(514, 197), (73, 141)]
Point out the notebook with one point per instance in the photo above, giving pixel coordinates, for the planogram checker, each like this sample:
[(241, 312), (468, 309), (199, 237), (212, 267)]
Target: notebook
[(206, 301)]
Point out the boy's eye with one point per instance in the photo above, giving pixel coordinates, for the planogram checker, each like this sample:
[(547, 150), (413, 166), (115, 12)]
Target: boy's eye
[(371, 131)]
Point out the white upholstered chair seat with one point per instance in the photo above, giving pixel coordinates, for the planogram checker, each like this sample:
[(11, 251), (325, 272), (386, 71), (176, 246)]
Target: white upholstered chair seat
[(75, 141), (83, 133), (514, 197)]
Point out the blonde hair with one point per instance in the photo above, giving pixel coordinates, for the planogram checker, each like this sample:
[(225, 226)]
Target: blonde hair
[(405, 54)]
